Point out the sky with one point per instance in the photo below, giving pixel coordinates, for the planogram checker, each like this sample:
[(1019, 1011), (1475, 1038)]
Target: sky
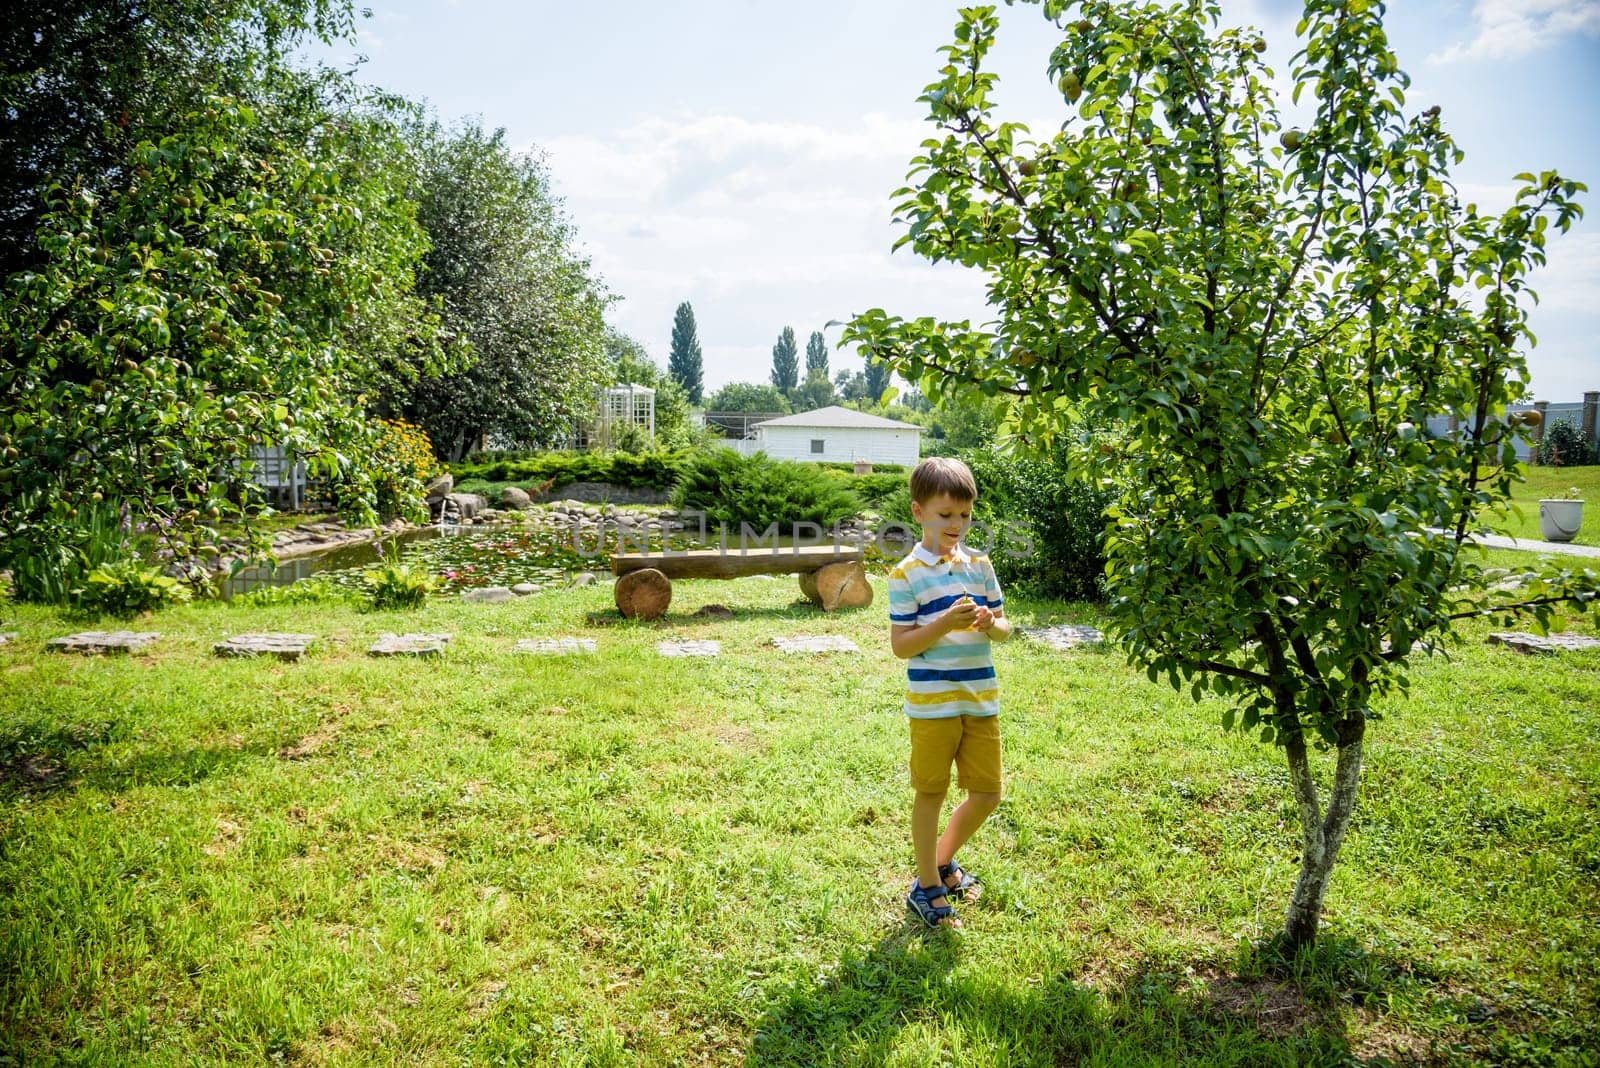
[(740, 154)]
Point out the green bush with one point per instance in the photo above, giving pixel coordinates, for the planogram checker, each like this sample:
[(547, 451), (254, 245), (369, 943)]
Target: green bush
[(732, 489), (1041, 500), (393, 584), (311, 591), (646, 470), (127, 587), (1563, 446), (873, 489), (48, 561)]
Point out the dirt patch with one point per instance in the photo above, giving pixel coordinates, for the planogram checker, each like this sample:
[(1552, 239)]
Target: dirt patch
[(1275, 1007), (228, 836), (309, 744)]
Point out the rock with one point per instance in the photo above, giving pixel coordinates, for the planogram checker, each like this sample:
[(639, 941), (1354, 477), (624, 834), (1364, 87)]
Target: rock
[(488, 595), (1064, 635), (101, 642), (439, 488), (282, 646), (408, 645), (643, 594), (824, 643), (512, 497), (522, 589), (8, 637), (689, 648), (714, 611), (1546, 644), (556, 646), (585, 578)]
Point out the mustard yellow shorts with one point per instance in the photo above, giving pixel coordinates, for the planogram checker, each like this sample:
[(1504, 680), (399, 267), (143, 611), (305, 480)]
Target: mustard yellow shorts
[(972, 743)]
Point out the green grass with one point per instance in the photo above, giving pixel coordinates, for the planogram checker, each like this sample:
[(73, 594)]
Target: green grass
[(1523, 520), (622, 860)]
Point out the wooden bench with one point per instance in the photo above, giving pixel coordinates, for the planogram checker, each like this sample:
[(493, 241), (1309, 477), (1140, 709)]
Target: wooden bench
[(830, 575)]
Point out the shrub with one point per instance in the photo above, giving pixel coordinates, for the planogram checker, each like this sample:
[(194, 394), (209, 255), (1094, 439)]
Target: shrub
[(127, 587), (732, 489), (646, 470), (404, 460), (1563, 446), (1041, 500), (393, 584), (311, 591), (47, 565)]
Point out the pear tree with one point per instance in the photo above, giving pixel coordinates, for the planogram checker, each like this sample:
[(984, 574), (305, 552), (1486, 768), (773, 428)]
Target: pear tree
[(1271, 312)]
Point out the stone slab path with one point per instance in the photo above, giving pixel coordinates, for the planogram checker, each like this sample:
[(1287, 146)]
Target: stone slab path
[(409, 645), (821, 643), (103, 642), (1544, 644), (556, 646), (689, 648), (282, 646), (1064, 635)]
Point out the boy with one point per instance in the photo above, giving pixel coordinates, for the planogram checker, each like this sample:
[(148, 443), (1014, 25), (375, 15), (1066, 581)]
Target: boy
[(945, 611)]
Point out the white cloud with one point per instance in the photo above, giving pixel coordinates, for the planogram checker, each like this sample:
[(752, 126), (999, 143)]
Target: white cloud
[(758, 224), (1507, 29)]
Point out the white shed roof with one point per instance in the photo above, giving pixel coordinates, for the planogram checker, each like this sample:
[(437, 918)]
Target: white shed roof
[(836, 417)]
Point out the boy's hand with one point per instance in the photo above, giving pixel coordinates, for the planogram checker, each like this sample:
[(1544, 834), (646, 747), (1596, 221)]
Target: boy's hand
[(985, 618), (961, 615)]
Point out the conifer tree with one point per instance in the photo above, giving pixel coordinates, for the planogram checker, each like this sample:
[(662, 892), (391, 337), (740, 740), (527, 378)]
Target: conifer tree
[(684, 361), (817, 354), (786, 361)]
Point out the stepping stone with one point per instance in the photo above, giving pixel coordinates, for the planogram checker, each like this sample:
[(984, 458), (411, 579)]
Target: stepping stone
[(822, 643), (8, 637), (1064, 635), (282, 646), (1545, 644), (522, 589), (97, 642), (408, 644), (689, 648), (556, 646), (488, 595)]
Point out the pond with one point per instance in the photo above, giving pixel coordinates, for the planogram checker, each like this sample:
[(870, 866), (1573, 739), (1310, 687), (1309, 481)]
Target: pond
[(471, 557)]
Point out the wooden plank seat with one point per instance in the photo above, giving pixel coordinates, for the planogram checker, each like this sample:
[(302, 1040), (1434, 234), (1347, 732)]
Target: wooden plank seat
[(831, 576)]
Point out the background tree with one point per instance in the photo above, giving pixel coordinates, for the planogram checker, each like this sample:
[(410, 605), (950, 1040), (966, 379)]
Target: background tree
[(785, 361), (166, 332), (748, 397), (82, 82), (503, 267), (685, 361), (1272, 313), (815, 392), (877, 373), (816, 354), (852, 386), (630, 363)]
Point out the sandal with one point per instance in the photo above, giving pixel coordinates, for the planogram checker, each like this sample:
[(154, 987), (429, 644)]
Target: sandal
[(967, 887), (921, 901)]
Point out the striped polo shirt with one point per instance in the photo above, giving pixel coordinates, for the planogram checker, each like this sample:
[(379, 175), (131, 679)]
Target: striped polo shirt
[(955, 675)]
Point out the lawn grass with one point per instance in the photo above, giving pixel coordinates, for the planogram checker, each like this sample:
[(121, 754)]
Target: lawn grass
[(1522, 520), (621, 859)]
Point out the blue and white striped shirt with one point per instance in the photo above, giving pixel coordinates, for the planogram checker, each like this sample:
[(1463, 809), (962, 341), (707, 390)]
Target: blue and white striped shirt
[(955, 675)]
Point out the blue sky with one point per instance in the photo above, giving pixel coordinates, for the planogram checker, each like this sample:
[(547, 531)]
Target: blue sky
[(740, 155)]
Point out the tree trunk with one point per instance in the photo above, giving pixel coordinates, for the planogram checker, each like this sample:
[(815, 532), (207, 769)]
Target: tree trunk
[(1320, 835)]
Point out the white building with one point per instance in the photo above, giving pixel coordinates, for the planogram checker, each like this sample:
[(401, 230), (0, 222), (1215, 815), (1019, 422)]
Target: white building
[(836, 435)]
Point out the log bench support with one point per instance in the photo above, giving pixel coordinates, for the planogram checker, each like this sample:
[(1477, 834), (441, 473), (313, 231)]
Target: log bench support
[(830, 576)]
